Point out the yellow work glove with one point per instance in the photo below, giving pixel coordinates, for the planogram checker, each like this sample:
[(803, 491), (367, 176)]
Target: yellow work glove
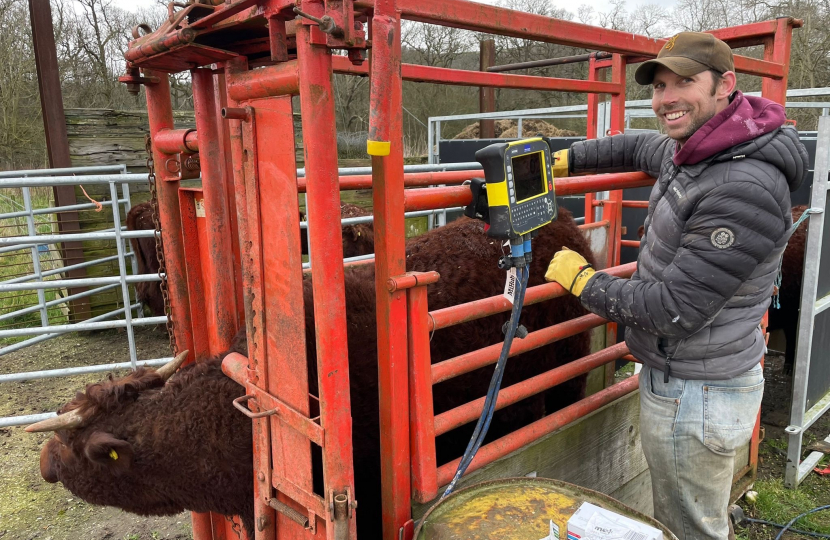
[(569, 269), (559, 167)]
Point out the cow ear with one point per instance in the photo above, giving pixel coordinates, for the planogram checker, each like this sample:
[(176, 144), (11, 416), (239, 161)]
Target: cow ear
[(106, 450)]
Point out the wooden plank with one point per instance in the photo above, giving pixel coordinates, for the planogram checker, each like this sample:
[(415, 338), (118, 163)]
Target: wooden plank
[(637, 493)]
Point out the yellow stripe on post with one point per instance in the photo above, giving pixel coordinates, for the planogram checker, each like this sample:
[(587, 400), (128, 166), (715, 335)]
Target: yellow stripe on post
[(377, 148)]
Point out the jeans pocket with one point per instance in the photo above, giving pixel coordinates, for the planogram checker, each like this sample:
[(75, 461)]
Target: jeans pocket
[(729, 415)]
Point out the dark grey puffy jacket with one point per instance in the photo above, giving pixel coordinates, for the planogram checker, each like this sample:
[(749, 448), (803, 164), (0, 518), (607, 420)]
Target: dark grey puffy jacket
[(714, 235)]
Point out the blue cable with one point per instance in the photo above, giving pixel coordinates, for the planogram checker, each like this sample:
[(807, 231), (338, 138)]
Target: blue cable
[(796, 518), (486, 417)]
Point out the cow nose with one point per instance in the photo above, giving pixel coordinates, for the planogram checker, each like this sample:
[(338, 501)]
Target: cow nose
[(47, 464)]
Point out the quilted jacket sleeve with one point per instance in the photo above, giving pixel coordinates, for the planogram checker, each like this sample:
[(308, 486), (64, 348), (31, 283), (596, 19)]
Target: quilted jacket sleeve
[(731, 230), (621, 153)]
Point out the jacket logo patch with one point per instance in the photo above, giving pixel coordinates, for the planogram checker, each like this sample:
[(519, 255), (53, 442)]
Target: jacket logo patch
[(722, 238)]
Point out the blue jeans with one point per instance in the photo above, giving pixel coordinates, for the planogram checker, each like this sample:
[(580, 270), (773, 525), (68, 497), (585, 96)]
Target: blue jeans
[(690, 431)]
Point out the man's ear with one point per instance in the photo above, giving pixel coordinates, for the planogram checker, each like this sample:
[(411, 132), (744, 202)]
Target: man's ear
[(104, 449), (728, 84)]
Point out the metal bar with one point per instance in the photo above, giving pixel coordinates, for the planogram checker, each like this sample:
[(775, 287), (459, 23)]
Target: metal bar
[(421, 414), (486, 95), (78, 327), (806, 317), (777, 50), (471, 311), (61, 270), (82, 370), (449, 420), (325, 245), (63, 170), (489, 19), (65, 283), (58, 209), (530, 433), (125, 193), (30, 226), (354, 171), (386, 124), (52, 303), (433, 198), (122, 274), (471, 361), (548, 62), (421, 179), (47, 181), (271, 81), (54, 238), (220, 286), (460, 77)]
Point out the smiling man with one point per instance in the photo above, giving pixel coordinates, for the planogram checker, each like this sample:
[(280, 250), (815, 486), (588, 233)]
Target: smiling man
[(718, 222)]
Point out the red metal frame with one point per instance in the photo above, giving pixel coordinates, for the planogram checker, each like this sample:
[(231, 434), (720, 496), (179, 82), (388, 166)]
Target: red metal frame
[(237, 239)]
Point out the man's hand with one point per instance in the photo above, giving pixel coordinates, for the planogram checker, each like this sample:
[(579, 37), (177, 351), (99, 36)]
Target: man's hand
[(559, 167), (569, 269)]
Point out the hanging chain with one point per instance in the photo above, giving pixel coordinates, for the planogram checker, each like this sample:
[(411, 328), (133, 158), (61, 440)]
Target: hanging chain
[(162, 272), (235, 526)]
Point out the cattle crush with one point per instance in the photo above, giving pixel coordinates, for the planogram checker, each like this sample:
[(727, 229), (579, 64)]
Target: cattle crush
[(233, 255)]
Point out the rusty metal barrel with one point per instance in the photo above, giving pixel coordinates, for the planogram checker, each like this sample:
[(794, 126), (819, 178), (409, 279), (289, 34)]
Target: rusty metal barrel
[(516, 509)]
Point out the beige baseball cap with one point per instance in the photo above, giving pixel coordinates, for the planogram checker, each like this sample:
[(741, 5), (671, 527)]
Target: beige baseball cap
[(687, 54)]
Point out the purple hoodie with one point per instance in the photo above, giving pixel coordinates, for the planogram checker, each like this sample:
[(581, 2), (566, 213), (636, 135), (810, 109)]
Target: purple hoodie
[(746, 118)]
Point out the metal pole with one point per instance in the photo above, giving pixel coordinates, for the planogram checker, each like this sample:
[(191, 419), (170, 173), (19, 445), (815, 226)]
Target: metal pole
[(122, 274), (125, 190), (30, 225), (486, 94), (519, 128), (549, 62)]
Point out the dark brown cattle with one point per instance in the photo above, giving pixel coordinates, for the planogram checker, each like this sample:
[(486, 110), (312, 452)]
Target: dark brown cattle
[(466, 259), (789, 295), (358, 239), (140, 218)]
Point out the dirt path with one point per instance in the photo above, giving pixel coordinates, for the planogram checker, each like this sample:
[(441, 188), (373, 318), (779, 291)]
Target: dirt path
[(29, 507)]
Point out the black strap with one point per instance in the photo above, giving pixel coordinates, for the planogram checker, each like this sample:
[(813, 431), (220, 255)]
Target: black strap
[(581, 271)]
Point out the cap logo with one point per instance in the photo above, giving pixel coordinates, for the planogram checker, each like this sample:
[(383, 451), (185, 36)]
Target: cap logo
[(670, 44)]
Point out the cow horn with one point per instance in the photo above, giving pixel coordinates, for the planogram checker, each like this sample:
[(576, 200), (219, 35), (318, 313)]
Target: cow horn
[(70, 420), (168, 369)]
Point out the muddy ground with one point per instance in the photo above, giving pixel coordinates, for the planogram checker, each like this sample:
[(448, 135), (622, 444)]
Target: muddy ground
[(32, 509), (29, 507)]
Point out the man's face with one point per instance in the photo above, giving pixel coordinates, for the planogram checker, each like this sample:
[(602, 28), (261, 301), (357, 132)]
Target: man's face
[(684, 104)]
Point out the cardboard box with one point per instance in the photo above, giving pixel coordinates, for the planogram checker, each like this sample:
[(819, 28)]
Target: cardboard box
[(591, 522)]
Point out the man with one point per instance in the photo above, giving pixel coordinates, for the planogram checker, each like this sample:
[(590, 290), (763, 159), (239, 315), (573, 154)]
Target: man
[(718, 222)]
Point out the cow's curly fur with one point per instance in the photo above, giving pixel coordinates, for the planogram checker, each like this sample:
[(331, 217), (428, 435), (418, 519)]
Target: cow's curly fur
[(192, 449), (140, 218)]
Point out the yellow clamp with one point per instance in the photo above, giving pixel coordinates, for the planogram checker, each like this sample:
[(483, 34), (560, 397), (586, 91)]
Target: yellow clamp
[(378, 148)]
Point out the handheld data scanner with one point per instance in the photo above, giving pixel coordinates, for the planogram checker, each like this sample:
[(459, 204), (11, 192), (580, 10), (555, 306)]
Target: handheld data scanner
[(516, 195), (515, 198)]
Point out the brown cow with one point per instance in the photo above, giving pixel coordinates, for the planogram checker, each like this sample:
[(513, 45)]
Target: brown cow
[(177, 441), (358, 239), (140, 218)]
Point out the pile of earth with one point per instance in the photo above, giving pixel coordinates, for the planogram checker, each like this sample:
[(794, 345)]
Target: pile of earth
[(509, 129)]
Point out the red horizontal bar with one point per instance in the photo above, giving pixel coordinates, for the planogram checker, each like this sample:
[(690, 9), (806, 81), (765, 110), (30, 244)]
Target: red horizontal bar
[(277, 80), (364, 181), (471, 361), (468, 412), (412, 279), (489, 19), (630, 358), (635, 204), (450, 316), (461, 77), (530, 433), (630, 243), (174, 141), (433, 198)]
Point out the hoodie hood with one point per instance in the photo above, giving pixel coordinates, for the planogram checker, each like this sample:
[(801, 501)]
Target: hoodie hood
[(745, 129)]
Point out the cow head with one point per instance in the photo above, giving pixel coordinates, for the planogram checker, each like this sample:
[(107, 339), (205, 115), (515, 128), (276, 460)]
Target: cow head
[(93, 450)]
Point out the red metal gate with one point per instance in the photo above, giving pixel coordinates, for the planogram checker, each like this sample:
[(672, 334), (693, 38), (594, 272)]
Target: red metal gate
[(233, 246)]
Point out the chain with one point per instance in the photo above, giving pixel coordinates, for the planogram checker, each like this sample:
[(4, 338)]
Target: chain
[(235, 526), (151, 178)]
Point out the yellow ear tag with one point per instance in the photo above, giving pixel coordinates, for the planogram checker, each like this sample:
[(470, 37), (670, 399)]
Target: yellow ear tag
[(113, 454)]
